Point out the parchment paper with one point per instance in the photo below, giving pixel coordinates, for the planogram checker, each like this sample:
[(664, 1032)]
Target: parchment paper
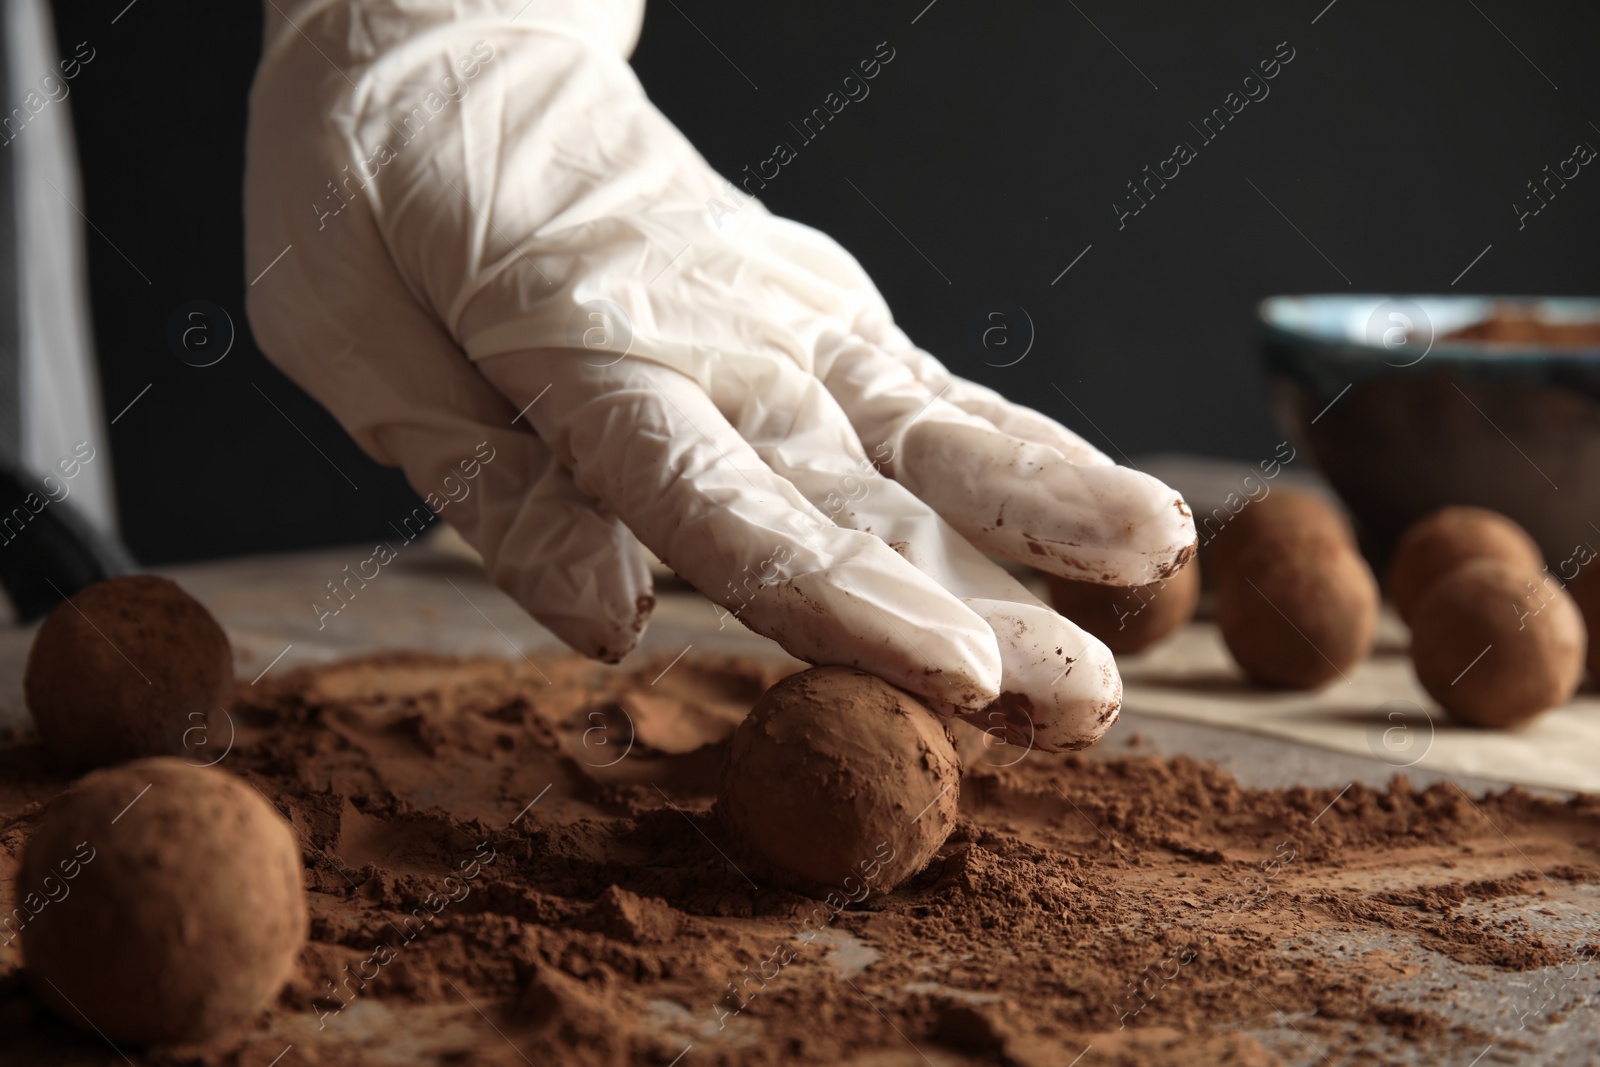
[(1378, 710)]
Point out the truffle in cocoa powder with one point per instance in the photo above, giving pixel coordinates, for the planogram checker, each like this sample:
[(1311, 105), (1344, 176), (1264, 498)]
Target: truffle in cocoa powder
[(187, 910), (839, 783)]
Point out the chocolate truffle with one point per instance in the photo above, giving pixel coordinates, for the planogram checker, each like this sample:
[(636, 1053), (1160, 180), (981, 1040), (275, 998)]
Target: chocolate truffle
[(1298, 613), (123, 668), (163, 902), (1438, 544), (838, 783), (1270, 524), (1497, 643), (1129, 619), (1585, 590)]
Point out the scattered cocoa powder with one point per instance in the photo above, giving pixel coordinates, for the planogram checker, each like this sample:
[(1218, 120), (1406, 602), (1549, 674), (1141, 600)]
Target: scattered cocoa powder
[(510, 863)]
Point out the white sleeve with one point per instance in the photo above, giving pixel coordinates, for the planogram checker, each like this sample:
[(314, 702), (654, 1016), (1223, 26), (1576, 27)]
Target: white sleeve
[(60, 382)]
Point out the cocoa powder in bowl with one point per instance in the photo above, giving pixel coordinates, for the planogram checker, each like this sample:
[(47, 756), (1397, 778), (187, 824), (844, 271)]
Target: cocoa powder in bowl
[(123, 668), (839, 782), (186, 913)]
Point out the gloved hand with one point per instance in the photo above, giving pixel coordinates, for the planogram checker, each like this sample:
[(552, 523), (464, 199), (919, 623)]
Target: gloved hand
[(492, 236)]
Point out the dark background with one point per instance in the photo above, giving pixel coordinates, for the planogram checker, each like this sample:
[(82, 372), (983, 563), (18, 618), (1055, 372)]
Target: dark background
[(995, 141)]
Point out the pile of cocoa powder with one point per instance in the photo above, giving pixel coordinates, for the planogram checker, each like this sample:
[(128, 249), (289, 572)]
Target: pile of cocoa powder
[(514, 863)]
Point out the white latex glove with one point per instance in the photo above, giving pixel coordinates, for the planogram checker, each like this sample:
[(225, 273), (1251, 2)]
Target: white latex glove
[(457, 182)]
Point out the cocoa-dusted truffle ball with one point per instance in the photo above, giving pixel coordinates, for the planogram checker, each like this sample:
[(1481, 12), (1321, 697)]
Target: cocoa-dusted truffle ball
[(1129, 619), (837, 782), (1269, 524), (1495, 643), (1585, 590), (123, 668), (1436, 545), (1298, 614), (165, 902)]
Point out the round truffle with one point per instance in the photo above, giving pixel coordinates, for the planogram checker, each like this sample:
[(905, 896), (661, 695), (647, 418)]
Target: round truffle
[(1436, 545), (164, 902), (1282, 517), (1298, 614), (839, 783), (1585, 590), (1496, 643), (1129, 619), (123, 669)]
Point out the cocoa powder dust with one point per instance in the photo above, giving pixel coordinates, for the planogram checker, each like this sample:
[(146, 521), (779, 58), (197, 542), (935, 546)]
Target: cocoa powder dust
[(512, 864)]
